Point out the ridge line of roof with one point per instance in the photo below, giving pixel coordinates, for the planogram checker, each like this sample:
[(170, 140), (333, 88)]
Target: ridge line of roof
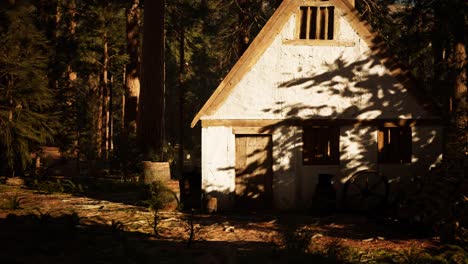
[(377, 46), (247, 56)]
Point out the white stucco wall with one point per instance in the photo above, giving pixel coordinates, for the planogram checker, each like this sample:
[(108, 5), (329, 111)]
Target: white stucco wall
[(218, 165), (318, 82), (293, 183), (314, 82), (218, 161)]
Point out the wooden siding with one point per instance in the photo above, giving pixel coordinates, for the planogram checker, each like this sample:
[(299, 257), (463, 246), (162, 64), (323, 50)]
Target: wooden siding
[(253, 172)]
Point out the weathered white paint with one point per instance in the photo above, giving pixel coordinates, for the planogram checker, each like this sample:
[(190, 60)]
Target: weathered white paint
[(314, 82), (293, 183), (218, 163), (318, 82), (286, 180)]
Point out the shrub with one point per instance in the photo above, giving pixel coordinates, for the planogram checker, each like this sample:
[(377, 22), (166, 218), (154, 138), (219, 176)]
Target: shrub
[(159, 196), (12, 203), (437, 202), (58, 186)]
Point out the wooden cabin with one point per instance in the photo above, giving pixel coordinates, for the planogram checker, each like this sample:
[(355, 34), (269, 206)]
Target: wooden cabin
[(316, 93)]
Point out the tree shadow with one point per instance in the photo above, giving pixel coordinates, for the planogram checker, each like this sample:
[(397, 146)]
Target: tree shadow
[(112, 189), (359, 99), (63, 239), (359, 104)]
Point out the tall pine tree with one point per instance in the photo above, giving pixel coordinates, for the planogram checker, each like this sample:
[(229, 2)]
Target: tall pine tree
[(25, 99)]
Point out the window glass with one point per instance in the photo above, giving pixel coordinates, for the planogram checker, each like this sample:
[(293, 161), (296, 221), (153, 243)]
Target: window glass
[(321, 145), (394, 145)]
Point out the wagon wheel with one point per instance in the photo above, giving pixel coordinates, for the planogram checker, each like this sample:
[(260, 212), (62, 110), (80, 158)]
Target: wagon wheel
[(365, 191)]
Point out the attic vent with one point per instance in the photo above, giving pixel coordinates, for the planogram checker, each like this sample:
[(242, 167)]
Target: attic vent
[(317, 22)]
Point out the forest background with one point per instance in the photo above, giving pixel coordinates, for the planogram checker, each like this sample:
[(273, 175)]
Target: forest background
[(72, 72)]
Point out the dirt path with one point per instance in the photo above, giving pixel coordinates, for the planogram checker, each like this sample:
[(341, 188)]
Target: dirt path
[(228, 232)]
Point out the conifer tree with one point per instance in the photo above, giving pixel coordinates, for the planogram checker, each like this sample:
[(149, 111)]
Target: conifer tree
[(25, 123), (150, 121)]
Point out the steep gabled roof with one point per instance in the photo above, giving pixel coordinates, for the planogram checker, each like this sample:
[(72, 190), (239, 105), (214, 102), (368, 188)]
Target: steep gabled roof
[(273, 27)]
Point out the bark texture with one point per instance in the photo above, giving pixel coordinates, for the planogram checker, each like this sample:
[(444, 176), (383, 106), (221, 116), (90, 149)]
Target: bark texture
[(150, 129)]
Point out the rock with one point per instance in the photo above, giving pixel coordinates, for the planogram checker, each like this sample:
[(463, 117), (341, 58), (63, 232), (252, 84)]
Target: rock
[(228, 229), (317, 236), (211, 205), (15, 181)]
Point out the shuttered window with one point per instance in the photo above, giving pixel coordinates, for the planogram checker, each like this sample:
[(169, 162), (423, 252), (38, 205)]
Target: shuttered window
[(317, 22), (394, 145), (321, 145)]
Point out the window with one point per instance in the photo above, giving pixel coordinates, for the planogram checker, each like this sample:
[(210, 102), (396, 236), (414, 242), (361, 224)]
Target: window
[(317, 22), (394, 145), (321, 145)]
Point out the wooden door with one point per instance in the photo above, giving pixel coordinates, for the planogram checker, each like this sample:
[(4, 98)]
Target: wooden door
[(253, 172)]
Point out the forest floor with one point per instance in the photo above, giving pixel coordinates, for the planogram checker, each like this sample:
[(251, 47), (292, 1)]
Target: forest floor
[(62, 228)]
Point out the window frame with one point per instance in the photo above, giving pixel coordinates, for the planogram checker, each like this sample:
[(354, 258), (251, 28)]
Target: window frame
[(318, 133), (299, 22), (400, 151)]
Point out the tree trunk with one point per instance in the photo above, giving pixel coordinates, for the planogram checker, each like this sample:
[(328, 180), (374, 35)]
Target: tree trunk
[(72, 75), (180, 154), (132, 75), (131, 79), (110, 135), (98, 117), (71, 5), (458, 67), (440, 89), (105, 99), (151, 106), (459, 63)]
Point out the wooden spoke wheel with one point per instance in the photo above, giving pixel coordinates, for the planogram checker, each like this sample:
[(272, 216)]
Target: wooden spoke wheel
[(365, 191)]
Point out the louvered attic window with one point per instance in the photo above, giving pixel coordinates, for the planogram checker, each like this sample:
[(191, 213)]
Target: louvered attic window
[(317, 25), (317, 22)]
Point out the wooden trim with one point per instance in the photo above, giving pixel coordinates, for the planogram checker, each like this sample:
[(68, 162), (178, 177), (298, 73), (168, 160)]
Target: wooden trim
[(380, 141), (394, 149), (326, 23), (249, 131), (270, 123), (316, 3), (381, 50), (297, 30), (319, 42), (278, 20), (315, 140), (249, 58), (352, 16), (318, 25), (240, 122), (309, 15), (336, 21)]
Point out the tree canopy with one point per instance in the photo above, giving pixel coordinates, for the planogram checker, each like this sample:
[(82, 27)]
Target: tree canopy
[(73, 67)]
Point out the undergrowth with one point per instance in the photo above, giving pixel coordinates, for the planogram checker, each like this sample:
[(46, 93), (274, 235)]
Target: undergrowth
[(158, 197), (57, 186), (336, 252), (12, 203)]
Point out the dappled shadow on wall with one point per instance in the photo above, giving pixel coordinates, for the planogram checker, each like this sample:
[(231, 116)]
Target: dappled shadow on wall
[(358, 97)]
